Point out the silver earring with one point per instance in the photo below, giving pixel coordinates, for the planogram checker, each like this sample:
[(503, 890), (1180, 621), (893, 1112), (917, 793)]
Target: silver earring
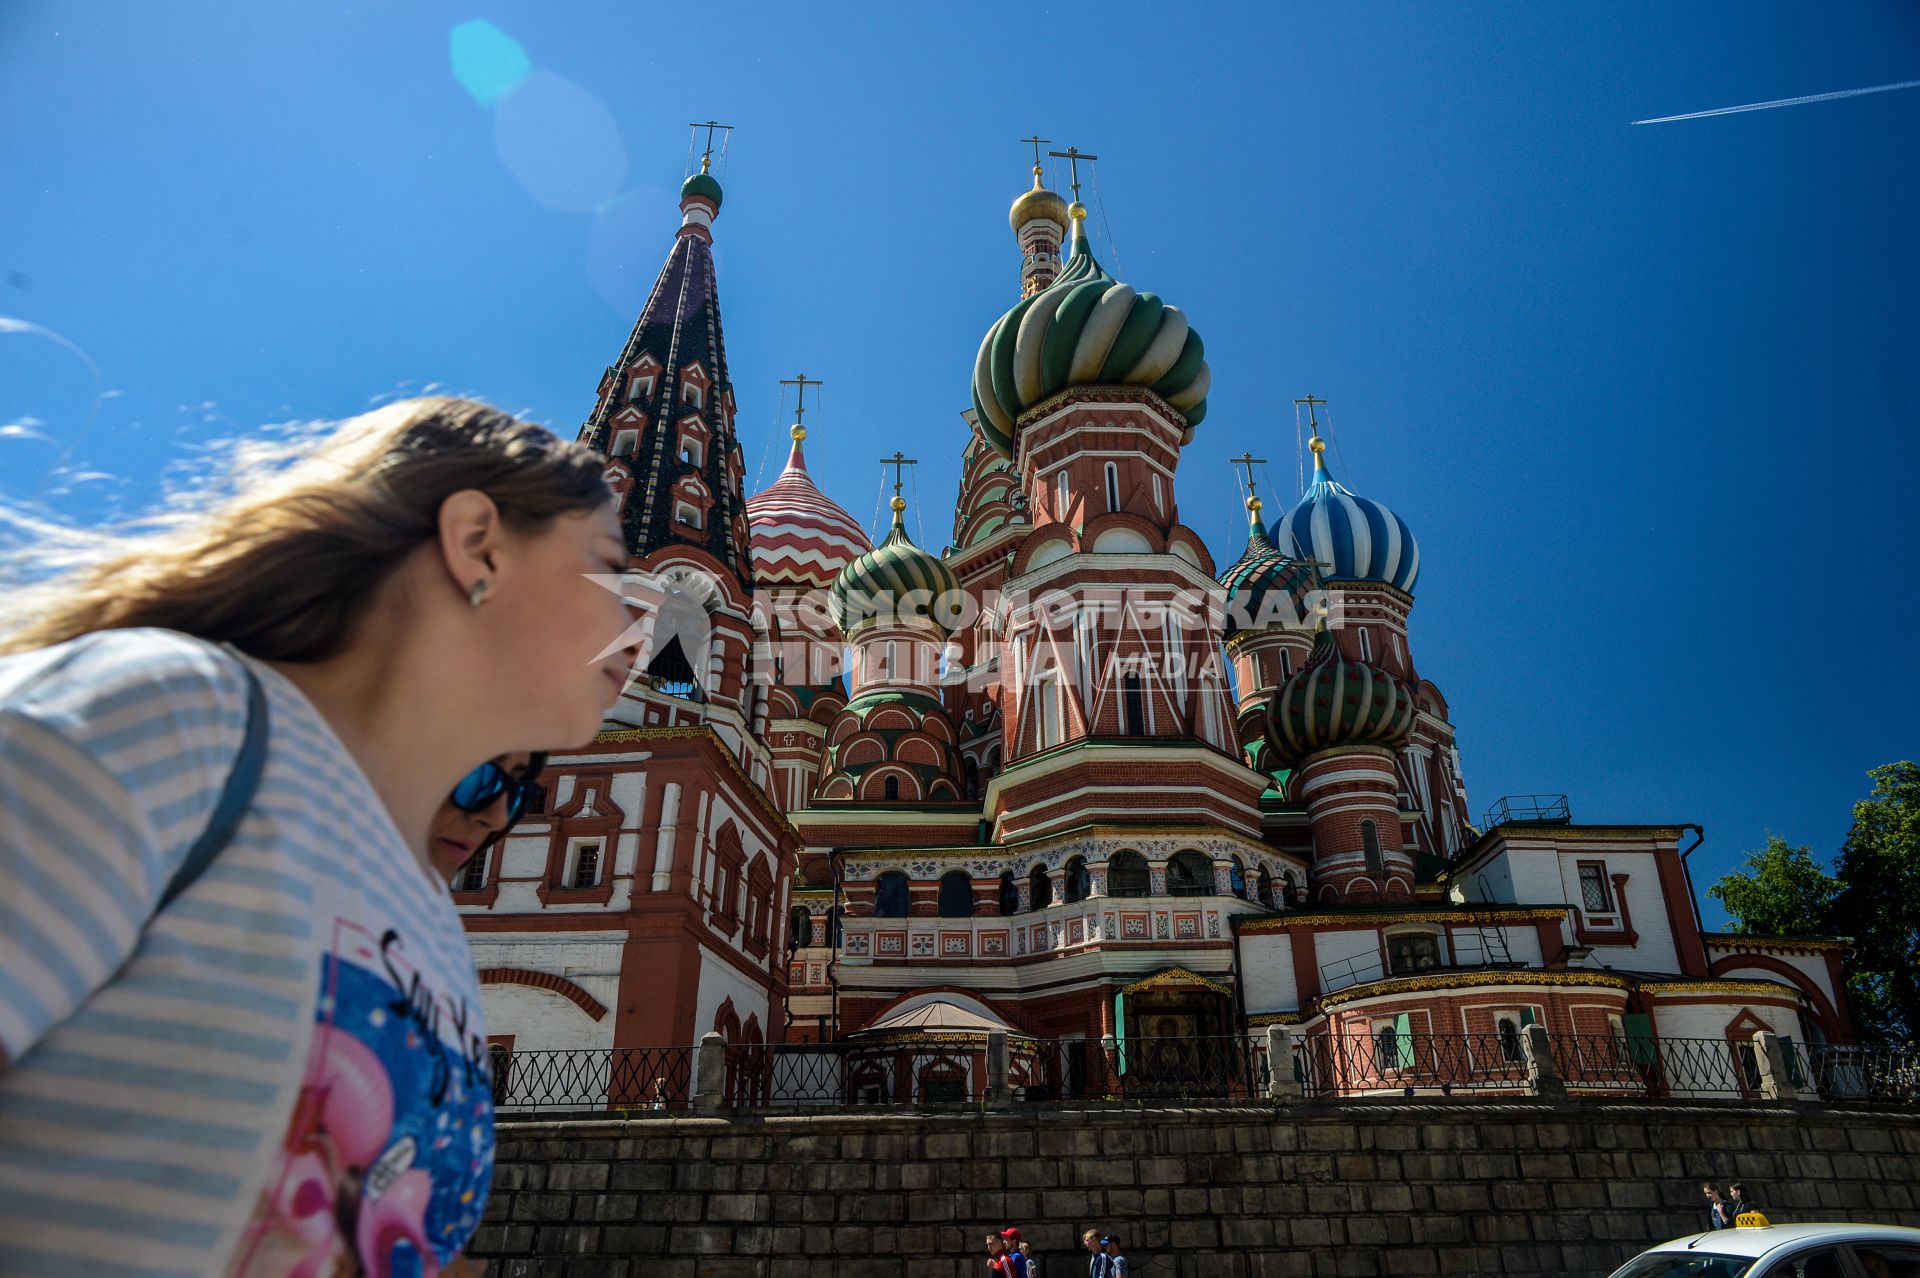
[(477, 591)]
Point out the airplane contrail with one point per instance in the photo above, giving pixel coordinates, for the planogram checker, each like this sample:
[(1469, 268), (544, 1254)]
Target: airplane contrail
[(1783, 102)]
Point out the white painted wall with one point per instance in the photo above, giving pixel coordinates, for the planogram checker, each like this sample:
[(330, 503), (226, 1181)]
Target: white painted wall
[(719, 981), (1267, 978), (1333, 947), (540, 1018), (1709, 1020), (1812, 965)]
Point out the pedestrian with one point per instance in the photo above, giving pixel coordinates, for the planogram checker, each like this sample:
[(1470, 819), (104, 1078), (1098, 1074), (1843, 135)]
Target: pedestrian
[(1719, 1214), (1027, 1261), (482, 808), (1016, 1252), (998, 1264), (223, 743), (1737, 1200), (1098, 1266), (1117, 1263)]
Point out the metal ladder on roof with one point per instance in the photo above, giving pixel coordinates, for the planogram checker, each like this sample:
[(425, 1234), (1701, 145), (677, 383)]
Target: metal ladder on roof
[(1493, 940)]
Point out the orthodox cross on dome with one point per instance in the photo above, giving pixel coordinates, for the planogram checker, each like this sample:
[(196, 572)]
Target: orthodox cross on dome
[(899, 461), (1312, 403), (706, 157), (1037, 142), (1073, 155), (1247, 461), (800, 412), (1316, 444)]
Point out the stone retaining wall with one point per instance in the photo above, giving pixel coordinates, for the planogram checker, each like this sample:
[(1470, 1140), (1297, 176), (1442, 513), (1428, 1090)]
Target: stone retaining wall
[(1508, 1188)]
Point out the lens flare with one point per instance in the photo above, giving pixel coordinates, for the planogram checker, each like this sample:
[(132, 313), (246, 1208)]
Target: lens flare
[(486, 60)]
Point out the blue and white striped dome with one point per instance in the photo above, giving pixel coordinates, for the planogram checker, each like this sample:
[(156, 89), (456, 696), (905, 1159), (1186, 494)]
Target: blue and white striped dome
[(1359, 539)]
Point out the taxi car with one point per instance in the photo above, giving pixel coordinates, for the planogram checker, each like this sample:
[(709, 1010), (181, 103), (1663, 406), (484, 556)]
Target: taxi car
[(1757, 1248)]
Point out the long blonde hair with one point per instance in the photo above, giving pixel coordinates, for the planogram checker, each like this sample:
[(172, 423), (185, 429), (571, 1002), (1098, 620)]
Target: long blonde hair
[(284, 566)]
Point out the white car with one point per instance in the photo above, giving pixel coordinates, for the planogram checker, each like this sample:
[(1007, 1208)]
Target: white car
[(1756, 1248)]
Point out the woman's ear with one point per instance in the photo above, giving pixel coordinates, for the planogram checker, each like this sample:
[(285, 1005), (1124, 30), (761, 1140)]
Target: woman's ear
[(470, 532)]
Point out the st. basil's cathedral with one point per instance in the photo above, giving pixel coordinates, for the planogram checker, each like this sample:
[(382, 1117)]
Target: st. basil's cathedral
[(1070, 778)]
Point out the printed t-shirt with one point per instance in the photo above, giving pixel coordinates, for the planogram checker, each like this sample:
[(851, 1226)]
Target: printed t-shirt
[(287, 1068)]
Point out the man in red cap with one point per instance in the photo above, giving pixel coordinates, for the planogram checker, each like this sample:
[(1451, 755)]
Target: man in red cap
[(1012, 1259)]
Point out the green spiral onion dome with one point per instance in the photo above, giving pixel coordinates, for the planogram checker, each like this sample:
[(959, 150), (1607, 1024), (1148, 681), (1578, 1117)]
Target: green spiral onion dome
[(1086, 329), (1266, 586), (1331, 701), (703, 184), (896, 579)]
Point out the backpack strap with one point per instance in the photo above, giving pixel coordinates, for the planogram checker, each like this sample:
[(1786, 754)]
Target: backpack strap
[(235, 798)]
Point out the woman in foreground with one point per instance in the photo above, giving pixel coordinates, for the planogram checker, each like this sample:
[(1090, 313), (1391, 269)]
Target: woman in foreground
[(270, 1059)]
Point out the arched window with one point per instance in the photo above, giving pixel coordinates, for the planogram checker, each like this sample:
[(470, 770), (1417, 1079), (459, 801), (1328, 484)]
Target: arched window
[(1076, 881), (890, 895), (1370, 845), (1127, 875), (1040, 887), (891, 787), (1263, 887), (1113, 487), (956, 895), (1009, 893), (1366, 643), (1237, 878), (1292, 891), (1189, 874), (799, 927), (1133, 705), (1286, 665)]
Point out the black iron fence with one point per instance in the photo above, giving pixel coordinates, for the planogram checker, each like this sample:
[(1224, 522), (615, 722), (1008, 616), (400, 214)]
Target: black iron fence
[(1389, 1062), (630, 1078), (1874, 1072), (1231, 1069)]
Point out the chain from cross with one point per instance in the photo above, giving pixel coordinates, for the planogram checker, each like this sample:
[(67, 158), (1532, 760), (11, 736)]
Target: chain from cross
[(1073, 155), (706, 157), (899, 461), (1247, 461), (1037, 142), (802, 381)]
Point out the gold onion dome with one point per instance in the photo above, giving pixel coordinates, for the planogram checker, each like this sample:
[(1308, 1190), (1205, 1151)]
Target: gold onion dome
[(1086, 329), (1038, 204)]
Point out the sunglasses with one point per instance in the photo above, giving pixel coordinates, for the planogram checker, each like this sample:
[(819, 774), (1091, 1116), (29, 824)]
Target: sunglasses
[(481, 789)]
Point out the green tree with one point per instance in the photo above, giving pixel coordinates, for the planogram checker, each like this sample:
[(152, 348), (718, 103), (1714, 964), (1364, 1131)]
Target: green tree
[(1879, 903), (1783, 893)]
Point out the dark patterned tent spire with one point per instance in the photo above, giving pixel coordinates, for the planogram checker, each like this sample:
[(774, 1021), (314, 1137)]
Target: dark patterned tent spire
[(665, 413)]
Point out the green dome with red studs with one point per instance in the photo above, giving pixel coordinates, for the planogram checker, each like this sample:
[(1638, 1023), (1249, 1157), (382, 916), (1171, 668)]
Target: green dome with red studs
[(1331, 702)]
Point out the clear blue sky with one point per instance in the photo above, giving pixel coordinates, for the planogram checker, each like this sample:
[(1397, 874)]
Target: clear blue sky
[(1646, 394)]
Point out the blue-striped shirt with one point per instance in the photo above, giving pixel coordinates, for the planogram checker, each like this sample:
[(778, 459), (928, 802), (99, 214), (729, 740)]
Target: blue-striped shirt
[(288, 1065)]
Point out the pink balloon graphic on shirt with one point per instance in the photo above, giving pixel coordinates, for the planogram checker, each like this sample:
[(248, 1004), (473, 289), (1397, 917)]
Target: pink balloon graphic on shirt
[(350, 1116), (356, 1105), (398, 1215)]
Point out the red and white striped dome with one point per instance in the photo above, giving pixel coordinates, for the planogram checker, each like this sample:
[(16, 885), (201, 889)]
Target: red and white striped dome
[(800, 536)]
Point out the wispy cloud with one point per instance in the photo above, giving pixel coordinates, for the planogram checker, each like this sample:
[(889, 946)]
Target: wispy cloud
[(1783, 102)]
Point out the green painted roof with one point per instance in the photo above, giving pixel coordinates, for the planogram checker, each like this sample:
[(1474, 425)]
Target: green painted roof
[(703, 184)]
